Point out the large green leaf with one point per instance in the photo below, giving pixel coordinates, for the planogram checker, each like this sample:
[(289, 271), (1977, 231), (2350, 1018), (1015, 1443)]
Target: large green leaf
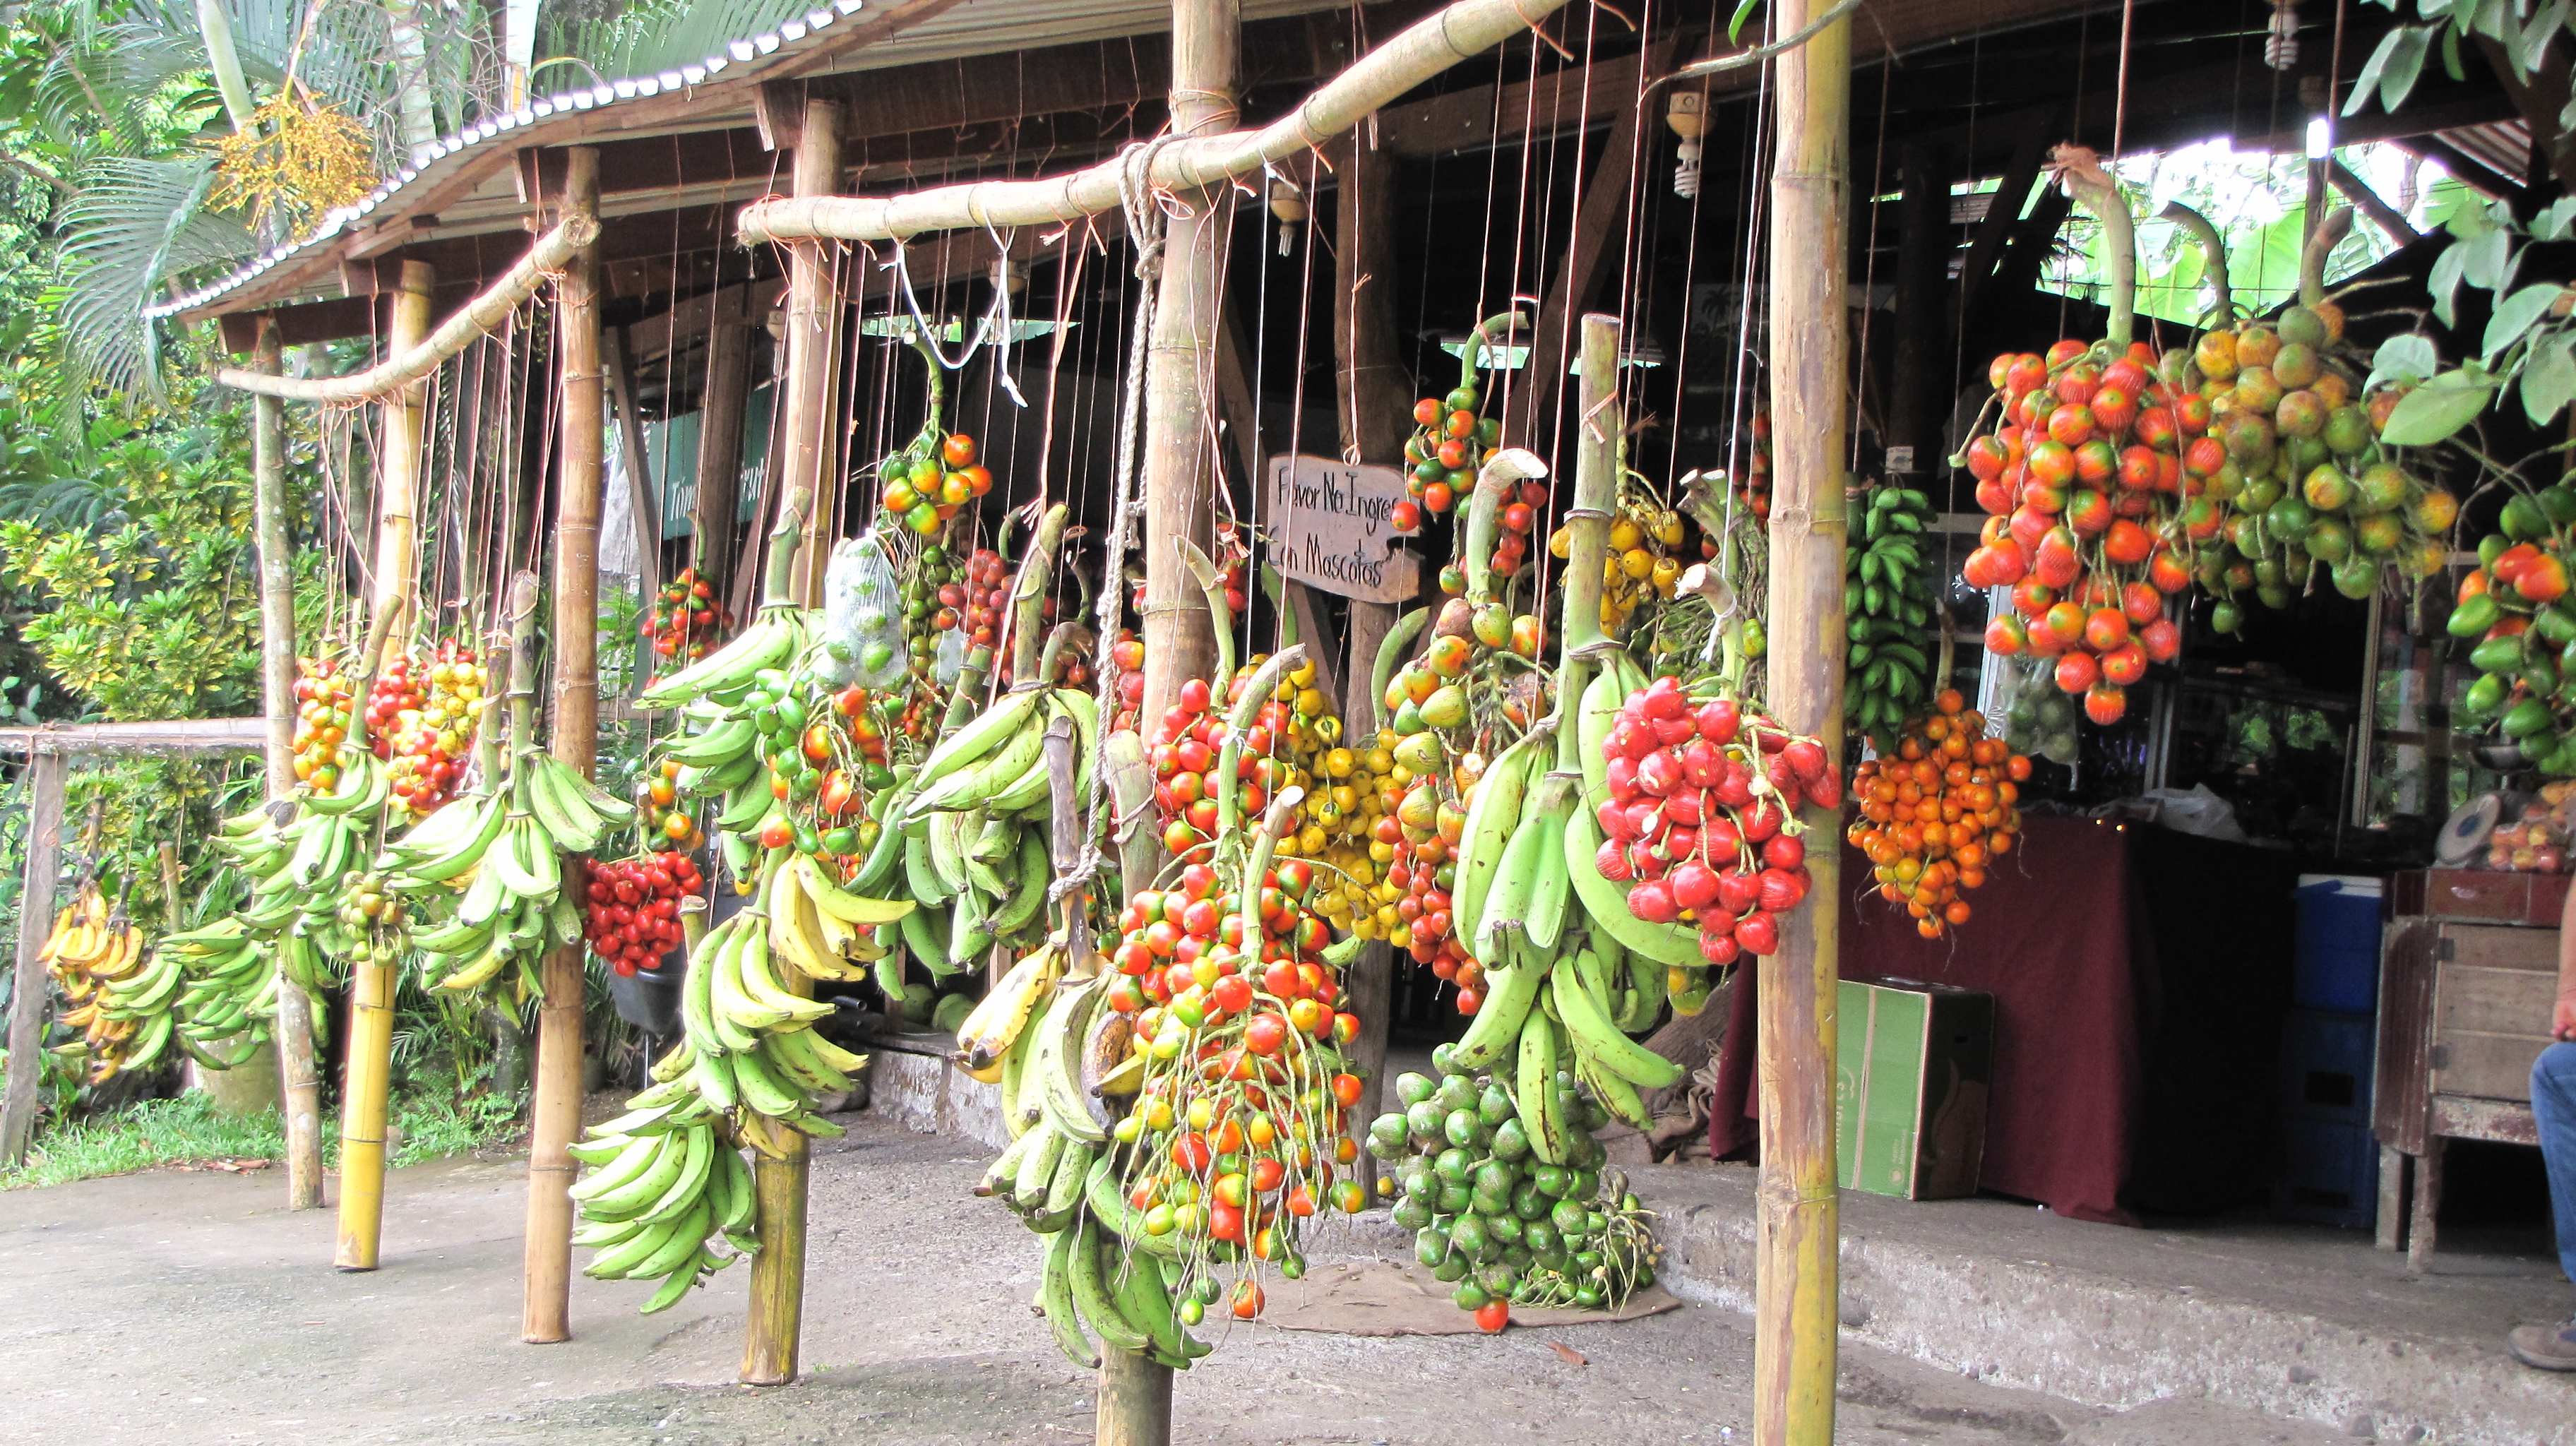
[(2548, 377), (2434, 411), (135, 226), (2514, 315)]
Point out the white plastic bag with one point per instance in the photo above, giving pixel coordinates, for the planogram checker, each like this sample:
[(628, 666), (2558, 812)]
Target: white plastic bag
[(863, 614), (2196, 811)]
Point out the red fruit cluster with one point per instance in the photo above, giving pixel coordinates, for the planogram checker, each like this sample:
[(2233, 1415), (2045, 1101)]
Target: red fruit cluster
[(421, 722), (1755, 490), (866, 734), (977, 600), (1442, 455), (631, 909), (1699, 819), (2095, 485), (1424, 828), (324, 702), (1191, 954), (1184, 752), (1129, 654), (686, 618), (665, 819)]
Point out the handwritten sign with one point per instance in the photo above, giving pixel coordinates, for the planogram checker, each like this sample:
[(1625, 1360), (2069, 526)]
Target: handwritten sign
[(1329, 520)]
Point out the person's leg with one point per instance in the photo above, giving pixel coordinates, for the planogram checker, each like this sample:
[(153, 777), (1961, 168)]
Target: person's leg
[(2553, 1105)]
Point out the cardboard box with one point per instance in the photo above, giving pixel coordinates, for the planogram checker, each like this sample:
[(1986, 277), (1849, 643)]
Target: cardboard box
[(1914, 1064)]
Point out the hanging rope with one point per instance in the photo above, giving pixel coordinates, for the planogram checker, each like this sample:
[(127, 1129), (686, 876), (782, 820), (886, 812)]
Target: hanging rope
[(1145, 206)]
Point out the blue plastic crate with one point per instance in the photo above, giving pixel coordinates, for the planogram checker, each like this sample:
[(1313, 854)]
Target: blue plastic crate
[(2329, 1174), (2335, 963), (2326, 1063)]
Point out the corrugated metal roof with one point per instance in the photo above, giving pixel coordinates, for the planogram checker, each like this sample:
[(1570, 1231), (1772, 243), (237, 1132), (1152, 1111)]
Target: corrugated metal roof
[(975, 27)]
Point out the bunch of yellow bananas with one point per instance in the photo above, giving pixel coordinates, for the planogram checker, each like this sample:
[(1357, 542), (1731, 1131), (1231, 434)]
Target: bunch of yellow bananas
[(121, 999)]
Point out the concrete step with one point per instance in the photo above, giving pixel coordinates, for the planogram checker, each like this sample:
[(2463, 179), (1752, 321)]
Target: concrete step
[(2291, 1321)]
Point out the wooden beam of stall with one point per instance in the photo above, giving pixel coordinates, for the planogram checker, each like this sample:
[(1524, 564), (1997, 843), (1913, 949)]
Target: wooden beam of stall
[(815, 307), (30, 986), (371, 984), (422, 355), (1463, 29), (1373, 393), (723, 402), (299, 1078), (1797, 1221), (644, 501)]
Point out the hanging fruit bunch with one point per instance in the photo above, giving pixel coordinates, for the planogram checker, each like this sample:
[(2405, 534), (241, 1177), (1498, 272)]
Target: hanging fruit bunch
[(667, 822), (2514, 607), (1643, 565), (1507, 1193), (325, 699), (1937, 813), (229, 1000), (664, 1186), (2306, 493), (1890, 600), (423, 723), (1754, 492), (631, 908), (686, 618), (1449, 442), (2092, 484), (121, 995), (974, 602)]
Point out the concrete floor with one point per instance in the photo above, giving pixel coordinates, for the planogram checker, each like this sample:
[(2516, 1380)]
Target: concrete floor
[(186, 1308)]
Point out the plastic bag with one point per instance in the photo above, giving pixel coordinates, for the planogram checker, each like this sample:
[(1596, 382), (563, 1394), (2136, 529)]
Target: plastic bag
[(2198, 812), (863, 615)]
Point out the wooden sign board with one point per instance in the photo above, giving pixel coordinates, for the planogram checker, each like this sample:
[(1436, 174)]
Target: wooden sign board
[(1328, 524)]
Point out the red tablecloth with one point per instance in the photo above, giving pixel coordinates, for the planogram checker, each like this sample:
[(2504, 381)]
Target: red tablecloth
[(2055, 941)]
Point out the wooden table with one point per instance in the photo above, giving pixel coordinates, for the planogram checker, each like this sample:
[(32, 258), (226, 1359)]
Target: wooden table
[(2468, 970)]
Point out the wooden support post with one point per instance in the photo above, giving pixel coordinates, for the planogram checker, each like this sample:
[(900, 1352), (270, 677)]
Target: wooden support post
[(30, 988), (369, 1077), (2003, 213), (805, 427), (1917, 393), (1180, 465), (773, 1332), (722, 401), (545, 1285), (1373, 392), (299, 1078), (1798, 1222), (643, 499), (1135, 1407)]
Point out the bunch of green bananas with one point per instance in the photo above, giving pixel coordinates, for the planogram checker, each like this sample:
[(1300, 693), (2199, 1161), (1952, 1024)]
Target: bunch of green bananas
[(298, 869), (778, 634), (1499, 1178), (665, 1181), (965, 819), (1103, 1276), (1891, 603), (230, 993), (750, 1043), (721, 760), (489, 868)]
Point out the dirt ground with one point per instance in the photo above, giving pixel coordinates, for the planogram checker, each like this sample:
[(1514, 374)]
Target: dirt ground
[(188, 1307)]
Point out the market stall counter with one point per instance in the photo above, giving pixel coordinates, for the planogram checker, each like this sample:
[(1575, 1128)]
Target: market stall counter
[(2140, 979)]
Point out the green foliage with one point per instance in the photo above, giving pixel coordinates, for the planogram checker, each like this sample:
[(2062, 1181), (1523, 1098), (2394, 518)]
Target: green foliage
[(2521, 29), (187, 1130), (2529, 343)]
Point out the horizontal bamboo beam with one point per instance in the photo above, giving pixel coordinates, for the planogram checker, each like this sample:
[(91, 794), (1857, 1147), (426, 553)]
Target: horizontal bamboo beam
[(453, 335), (1464, 29)]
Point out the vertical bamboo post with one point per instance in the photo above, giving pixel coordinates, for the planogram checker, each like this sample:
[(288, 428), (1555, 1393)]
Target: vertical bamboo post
[(545, 1302), (773, 1332), (813, 342), (299, 1078), (1180, 465), (1373, 393), (30, 989), (369, 1078), (644, 498), (720, 415), (1798, 1221)]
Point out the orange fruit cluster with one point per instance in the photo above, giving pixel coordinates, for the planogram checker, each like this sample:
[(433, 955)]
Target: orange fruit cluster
[(1935, 815)]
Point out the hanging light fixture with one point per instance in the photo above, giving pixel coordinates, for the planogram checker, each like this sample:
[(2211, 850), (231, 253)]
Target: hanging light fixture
[(1686, 112), (2281, 37), (1289, 205)]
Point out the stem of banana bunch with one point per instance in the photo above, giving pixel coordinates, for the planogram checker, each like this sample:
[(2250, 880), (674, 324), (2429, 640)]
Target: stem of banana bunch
[(775, 1324), (1028, 593)]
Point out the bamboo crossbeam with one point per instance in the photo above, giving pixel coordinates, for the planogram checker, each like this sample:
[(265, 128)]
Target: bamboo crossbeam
[(1461, 31), (477, 317)]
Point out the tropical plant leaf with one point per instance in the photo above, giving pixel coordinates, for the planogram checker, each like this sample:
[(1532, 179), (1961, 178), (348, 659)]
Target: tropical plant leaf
[(662, 35), (2434, 411), (2549, 377), (2514, 315), (135, 226), (2402, 359)]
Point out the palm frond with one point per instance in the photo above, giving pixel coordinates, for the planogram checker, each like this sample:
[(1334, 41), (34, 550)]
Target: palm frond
[(137, 224), (660, 35)]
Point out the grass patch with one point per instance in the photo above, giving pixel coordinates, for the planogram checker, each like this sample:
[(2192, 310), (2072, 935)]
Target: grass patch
[(184, 1130)]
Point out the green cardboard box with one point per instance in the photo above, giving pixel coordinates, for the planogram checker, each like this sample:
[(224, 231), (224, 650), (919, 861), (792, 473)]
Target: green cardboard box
[(1914, 1061)]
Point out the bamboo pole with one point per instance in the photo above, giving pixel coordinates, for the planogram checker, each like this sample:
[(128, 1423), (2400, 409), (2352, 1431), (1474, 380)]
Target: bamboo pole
[(1798, 1222), (30, 988), (813, 355), (1462, 30), (546, 1279), (371, 986), (774, 1329), (299, 1077), (644, 499), (408, 362), (1180, 465)]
